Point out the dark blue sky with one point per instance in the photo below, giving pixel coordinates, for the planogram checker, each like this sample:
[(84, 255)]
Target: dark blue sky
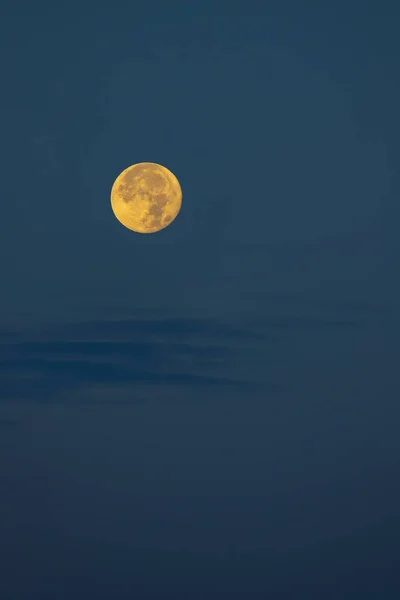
[(211, 411)]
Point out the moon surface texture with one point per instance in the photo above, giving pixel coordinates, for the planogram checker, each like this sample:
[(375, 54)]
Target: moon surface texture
[(146, 197)]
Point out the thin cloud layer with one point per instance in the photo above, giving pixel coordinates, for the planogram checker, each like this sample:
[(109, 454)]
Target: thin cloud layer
[(193, 352)]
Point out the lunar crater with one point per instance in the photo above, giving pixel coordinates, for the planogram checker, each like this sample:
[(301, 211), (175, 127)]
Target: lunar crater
[(146, 197)]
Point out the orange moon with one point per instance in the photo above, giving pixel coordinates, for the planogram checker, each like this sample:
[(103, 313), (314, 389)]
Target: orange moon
[(146, 197)]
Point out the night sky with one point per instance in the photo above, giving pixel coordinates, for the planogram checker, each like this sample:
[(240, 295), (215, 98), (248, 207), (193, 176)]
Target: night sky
[(212, 411)]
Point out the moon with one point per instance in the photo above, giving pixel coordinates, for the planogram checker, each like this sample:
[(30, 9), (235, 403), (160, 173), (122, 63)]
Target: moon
[(146, 197)]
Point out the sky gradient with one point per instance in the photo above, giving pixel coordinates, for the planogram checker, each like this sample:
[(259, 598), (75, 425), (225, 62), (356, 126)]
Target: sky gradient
[(210, 411)]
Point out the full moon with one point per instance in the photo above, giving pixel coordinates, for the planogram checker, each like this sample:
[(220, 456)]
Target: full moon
[(146, 197)]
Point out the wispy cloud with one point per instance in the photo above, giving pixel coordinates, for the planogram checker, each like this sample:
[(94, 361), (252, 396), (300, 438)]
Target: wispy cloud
[(157, 351), (194, 352)]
